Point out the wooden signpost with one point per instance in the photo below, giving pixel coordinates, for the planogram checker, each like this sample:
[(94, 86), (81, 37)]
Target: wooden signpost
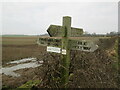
[(59, 42), (58, 31)]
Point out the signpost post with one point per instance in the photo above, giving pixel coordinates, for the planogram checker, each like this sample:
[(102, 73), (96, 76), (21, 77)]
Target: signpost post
[(62, 44), (66, 58)]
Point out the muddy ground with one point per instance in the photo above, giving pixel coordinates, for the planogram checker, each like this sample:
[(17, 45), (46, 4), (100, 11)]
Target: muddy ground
[(16, 48), (17, 52), (15, 82)]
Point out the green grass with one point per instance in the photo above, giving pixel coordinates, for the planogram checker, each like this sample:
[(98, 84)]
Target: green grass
[(30, 84), (14, 35), (115, 57)]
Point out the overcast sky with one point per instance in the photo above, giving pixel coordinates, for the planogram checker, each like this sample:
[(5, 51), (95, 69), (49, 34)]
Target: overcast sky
[(35, 17)]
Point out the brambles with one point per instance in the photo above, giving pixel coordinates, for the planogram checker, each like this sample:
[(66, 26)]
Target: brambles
[(87, 70)]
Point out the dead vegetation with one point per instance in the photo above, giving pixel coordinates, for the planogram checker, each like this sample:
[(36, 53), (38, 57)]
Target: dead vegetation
[(87, 70)]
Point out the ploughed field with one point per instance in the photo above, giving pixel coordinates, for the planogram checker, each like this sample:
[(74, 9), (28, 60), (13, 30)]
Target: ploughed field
[(14, 48)]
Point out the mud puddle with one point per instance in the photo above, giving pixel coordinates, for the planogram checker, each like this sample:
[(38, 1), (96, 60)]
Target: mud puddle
[(20, 64)]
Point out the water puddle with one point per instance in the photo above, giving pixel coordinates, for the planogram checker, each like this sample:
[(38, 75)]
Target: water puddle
[(10, 70), (22, 60)]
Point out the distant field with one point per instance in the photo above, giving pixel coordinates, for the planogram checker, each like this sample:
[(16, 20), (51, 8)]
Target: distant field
[(15, 48), (19, 40)]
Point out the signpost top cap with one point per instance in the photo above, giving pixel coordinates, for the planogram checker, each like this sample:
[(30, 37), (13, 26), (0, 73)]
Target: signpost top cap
[(66, 17)]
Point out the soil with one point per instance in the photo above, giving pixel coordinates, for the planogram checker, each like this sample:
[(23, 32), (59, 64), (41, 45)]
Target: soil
[(16, 52), (26, 75)]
